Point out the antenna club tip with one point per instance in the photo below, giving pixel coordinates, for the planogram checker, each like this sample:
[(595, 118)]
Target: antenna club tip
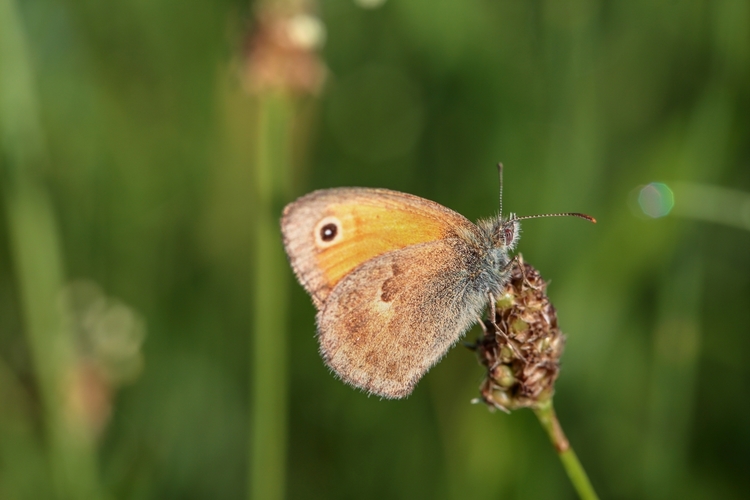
[(584, 216)]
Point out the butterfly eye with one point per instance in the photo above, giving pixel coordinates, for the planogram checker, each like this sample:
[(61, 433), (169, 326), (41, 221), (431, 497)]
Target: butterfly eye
[(508, 235), (328, 232)]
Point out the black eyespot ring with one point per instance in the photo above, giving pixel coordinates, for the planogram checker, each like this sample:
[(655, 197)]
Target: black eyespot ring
[(329, 232)]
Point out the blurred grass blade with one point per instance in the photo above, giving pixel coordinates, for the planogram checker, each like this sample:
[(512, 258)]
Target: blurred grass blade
[(269, 346), (719, 205), (38, 262), (676, 352)]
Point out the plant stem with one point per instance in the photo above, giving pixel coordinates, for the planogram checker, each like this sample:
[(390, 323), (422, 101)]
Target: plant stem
[(38, 264), (269, 345), (547, 417)]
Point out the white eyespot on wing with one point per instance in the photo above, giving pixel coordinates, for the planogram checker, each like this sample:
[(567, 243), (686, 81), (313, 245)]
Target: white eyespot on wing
[(328, 231)]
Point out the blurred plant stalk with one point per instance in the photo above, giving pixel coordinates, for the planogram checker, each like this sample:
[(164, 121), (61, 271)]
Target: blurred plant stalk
[(673, 377), (269, 346), (282, 67), (38, 265), (730, 207)]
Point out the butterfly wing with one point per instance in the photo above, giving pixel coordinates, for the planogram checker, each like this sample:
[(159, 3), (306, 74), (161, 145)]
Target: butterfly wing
[(328, 233), (390, 320)]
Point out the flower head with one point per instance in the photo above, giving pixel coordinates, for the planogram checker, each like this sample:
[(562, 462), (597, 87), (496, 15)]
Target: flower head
[(522, 344)]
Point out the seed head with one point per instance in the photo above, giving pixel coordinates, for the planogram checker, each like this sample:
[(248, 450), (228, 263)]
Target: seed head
[(282, 52), (522, 344)]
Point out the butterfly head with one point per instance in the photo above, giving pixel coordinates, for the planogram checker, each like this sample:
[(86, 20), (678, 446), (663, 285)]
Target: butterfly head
[(506, 232)]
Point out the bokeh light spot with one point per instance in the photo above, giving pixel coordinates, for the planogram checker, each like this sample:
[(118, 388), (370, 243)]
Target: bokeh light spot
[(656, 199)]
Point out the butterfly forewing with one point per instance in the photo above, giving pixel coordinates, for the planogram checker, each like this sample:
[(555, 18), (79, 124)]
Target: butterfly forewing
[(328, 233)]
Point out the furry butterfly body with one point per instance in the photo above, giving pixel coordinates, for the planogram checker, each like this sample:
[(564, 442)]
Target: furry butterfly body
[(396, 279)]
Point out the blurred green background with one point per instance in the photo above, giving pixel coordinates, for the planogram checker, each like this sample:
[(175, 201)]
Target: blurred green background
[(153, 343)]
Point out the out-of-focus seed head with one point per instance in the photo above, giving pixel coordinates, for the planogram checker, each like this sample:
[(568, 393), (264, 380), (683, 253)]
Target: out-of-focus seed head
[(521, 349), (281, 53)]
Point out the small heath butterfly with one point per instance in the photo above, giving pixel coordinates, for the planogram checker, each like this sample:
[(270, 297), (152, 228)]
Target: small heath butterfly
[(396, 279)]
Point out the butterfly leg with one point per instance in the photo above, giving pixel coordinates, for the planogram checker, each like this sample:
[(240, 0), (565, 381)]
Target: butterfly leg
[(482, 325), (473, 346), (493, 320), (518, 259), (507, 269)]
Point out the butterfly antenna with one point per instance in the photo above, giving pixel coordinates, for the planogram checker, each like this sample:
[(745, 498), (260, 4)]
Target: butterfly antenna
[(500, 175), (562, 214)]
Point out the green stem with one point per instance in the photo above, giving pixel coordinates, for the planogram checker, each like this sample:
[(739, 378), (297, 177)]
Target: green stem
[(574, 469), (38, 264), (268, 433)]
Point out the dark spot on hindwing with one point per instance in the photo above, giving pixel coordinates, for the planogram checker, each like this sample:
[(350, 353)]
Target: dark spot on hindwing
[(390, 286)]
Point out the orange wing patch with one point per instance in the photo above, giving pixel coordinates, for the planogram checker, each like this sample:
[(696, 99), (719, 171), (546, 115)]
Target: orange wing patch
[(369, 231)]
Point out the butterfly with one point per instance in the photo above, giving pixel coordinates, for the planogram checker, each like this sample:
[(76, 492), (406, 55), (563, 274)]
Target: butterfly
[(396, 279)]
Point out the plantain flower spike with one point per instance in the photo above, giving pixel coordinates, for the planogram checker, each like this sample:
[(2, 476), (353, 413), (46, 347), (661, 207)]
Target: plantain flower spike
[(521, 348)]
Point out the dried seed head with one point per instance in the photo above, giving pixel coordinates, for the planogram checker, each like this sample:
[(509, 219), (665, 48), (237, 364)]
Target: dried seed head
[(521, 349)]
